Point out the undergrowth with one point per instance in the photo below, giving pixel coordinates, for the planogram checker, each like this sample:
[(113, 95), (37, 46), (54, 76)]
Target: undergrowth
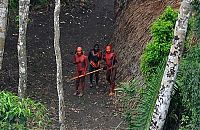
[(185, 105), (189, 84), (158, 49), (21, 114), (152, 65)]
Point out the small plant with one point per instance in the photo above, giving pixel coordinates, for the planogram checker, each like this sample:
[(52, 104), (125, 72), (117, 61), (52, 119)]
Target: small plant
[(21, 114)]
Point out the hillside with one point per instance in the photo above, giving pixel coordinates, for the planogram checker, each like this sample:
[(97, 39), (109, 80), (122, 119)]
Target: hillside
[(132, 33)]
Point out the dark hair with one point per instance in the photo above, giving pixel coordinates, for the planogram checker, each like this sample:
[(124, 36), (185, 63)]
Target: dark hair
[(96, 45)]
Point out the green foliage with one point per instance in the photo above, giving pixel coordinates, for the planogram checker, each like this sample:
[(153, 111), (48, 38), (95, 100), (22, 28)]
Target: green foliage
[(152, 65), (138, 103), (21, 114), (13, 4), (189, 82), (175, 109), (169, 15), (190, 35), (153, 56), (185, 103), (196, 10), (147, 102), (162, 31), (127, 97), (157, 50)]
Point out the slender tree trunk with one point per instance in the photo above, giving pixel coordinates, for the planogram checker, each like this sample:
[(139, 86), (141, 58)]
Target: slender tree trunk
[(3, 24), (23, 20), (164, 97), (59, 65)]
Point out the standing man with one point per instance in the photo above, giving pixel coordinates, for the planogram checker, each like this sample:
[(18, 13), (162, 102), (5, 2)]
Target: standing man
[(110, 59), (81, 66), (94, 58)]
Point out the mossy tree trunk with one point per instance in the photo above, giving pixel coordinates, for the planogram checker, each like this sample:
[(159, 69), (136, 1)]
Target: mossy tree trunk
[(169, 76)]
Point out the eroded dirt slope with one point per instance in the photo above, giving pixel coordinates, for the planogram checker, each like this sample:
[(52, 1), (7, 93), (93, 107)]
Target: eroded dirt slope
[(133, 33)]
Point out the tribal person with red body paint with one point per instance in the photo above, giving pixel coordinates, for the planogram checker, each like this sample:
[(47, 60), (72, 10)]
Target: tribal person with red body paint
[(81, 66), (110, 59), (94, 58)]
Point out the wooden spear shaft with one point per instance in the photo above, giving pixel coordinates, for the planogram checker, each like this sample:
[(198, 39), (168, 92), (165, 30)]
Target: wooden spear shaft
[(85, 74)]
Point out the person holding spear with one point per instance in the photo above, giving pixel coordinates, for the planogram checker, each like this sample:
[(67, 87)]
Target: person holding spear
[(81, 62), (110, 60), (94, 58)]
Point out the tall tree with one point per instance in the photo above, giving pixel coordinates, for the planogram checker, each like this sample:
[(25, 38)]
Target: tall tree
[(3, 24), (169, 76), (23, 20), (59, 65)]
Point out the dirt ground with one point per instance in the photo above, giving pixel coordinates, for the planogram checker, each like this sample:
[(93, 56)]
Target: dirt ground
[(95, 110)]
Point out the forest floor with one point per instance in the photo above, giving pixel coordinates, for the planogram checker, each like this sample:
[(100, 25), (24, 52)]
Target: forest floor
[(95, 110)]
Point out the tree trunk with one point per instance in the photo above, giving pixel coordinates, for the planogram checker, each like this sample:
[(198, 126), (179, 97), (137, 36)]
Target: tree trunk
[(23, 20), (168, 80), (59, 65), (3, 24)]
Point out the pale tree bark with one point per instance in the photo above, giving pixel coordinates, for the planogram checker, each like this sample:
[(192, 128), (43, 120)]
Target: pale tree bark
[(23, 20), (169, 76), (3, 24), (59, 65)]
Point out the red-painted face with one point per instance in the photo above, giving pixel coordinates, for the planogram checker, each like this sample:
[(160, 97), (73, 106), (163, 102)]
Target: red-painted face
[(108, 49), (79, 51)]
